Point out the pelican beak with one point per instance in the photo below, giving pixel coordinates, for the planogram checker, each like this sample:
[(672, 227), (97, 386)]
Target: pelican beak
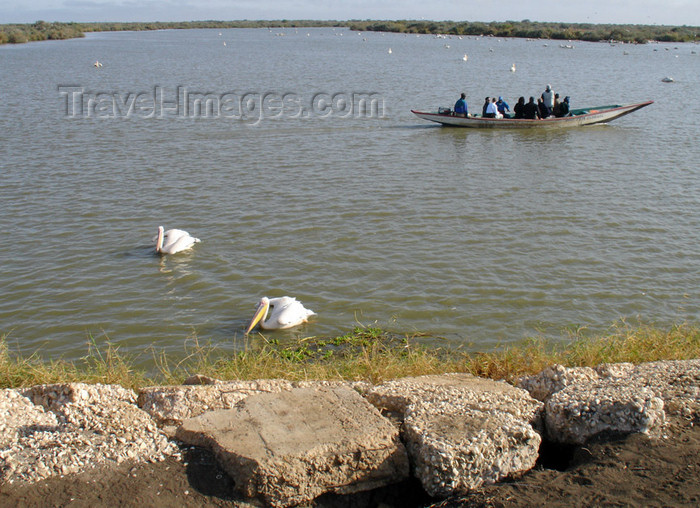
[(259, 314), (159, 240)]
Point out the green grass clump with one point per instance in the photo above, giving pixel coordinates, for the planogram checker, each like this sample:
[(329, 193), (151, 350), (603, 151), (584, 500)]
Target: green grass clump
[(365, 354)]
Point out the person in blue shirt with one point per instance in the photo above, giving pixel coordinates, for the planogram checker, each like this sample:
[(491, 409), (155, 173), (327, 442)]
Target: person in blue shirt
[(502, 106), (461, 106)]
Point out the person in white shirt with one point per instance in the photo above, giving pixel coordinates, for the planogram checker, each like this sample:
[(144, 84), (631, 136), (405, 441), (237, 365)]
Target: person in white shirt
[(548, 99), (492, 109)]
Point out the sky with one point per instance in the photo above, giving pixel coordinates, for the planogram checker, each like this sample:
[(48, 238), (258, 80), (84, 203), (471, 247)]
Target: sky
[(646, 12)]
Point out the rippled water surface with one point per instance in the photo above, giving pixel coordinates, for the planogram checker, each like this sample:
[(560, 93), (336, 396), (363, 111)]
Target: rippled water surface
[(480, 237)]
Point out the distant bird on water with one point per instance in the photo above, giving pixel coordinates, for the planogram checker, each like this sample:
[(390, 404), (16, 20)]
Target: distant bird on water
[(465, 57), (512, 68), (286, 312), (173, 241), (97, 64), (390, 51)]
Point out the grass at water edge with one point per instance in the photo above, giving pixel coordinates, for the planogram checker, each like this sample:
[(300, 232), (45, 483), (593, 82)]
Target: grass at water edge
[(365, 354)]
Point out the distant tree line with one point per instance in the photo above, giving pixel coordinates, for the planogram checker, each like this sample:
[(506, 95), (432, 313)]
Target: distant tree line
[(41, 30), (527, 29)]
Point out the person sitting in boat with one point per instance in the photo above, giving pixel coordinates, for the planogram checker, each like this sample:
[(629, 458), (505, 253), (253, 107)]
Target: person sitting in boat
[(518, 108), (530, 110), (486, 105), (564, 107), (543, 110), (460, 108), (492, 110), (503, 107), (557, 105)]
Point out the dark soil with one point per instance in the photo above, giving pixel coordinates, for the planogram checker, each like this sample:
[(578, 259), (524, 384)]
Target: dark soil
[(628, 471)]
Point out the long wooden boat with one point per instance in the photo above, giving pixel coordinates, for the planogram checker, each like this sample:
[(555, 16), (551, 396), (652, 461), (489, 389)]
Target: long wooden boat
[(576, 118)]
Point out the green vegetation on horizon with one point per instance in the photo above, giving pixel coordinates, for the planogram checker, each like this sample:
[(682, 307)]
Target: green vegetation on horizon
[(365, 354), (42, 30), (527, 29)]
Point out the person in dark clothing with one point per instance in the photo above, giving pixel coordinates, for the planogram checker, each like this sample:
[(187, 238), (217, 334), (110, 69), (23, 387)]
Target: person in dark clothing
[(486, 105), (564, 107), (544, 111), (530, 110), (557, 105), (518, 108)]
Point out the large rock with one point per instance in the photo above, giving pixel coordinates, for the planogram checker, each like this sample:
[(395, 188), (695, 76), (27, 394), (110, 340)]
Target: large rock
[(579, 412), (676, 382), (171, 405), (69, 428), (290, 447), (462, 431), (555, 378), (473, 392), (19, 416), (615, 398)]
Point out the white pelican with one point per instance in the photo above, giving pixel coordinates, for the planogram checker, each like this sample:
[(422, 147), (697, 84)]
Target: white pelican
[(286, 313), (173, 241)]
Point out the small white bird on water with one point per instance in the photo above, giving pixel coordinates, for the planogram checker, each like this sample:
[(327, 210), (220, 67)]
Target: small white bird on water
[(97, 64), (286, 313), (173, 241), (512, 68), (465, 57), (390, 51)]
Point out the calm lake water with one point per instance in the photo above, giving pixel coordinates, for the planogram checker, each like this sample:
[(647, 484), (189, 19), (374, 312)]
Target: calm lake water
[(368, 215)]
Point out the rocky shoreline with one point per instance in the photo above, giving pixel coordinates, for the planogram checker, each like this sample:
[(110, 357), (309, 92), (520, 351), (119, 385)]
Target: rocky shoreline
[(278, 443)]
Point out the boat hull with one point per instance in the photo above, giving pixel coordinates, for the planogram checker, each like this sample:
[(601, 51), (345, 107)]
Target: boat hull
[(579, 117)]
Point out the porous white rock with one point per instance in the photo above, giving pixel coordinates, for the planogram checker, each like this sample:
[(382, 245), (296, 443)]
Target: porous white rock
[(18, 416), (554, 378), (170, 405), (73, 427), (617, 398), (468, 392), (580, 412), (462, 431)]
